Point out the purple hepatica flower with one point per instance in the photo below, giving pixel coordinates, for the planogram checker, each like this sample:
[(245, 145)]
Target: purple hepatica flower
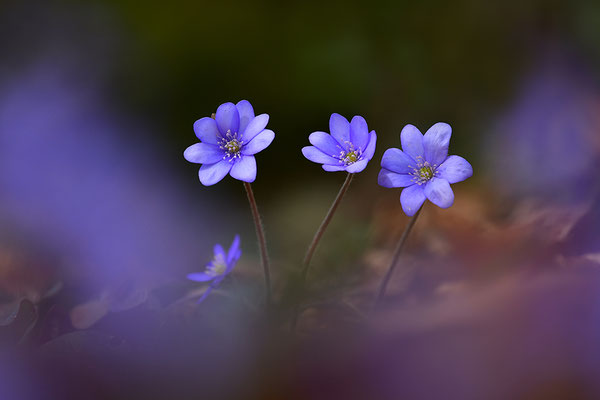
[(423, 169), (228, 143), (349, 147), (219, 267)]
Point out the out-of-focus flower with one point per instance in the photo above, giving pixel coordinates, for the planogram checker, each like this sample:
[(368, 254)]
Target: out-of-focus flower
[(551, 131), (220, 266), (349, 147), (228, 143), (423, 169)]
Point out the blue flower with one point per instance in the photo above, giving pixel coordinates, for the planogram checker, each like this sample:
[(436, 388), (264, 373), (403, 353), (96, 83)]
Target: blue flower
[(349, 148), (228, 143), (220, 266), (423, 169)]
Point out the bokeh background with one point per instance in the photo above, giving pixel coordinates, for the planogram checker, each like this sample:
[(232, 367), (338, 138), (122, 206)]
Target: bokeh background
[(101, 217)]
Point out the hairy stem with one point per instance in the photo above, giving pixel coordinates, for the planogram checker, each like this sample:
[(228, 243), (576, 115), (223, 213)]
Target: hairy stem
[(397, 252), (260, 233), (317, 238)]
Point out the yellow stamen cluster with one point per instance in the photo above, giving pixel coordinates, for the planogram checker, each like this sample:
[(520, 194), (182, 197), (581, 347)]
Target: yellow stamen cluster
[(423, 172), (351, 156), (217, 266), (232, 145)]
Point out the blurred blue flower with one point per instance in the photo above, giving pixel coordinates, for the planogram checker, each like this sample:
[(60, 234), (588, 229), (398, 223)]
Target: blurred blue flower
[(228, 143), (349, 147), (551, 131), (423, 169), (220, 266)]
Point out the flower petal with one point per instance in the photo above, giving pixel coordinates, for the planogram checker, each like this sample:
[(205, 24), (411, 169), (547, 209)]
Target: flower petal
[(439, 192), (233, 249), (200, 277), (455, 169), (256, 126), (244, 169), (325, 142), (339, 127), (228, 118), (333, 168), (205, 294), (435, 143), (370, 150), (412, 141), (412, 198), (316, 155), (357, 166), (246, 113), (391, 179), (259, 143), (219, 251), (203, 153), (212, 173), (206, 130), (397, 161), (232, 261), (359, 132)]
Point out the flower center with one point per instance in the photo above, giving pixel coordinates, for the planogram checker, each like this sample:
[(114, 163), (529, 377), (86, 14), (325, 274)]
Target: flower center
[(217, 266), (232, 145), (423, 172), (351, 156)]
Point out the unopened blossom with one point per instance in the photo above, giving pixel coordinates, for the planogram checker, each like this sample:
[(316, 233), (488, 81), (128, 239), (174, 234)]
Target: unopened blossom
[(219, 267), (423, 168), (349, 146), (228, 143)]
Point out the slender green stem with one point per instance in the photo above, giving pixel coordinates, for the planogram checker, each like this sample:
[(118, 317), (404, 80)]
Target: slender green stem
[(324, 224), (317, 238), (397, 252), (260, 233)]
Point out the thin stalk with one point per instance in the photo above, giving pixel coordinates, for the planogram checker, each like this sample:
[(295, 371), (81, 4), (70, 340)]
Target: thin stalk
[(317, 238), (397, 252), (324, 224), (260, 233)]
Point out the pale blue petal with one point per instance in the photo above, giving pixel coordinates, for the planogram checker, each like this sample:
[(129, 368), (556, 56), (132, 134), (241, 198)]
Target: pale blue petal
[(439, 192), (368, 153), (357, 166), (397, 161), (435, 143), (455, 169), (326, 143), (259, 143), (256, 126), (412, 198), (234, 257), (228, 118), (200, 277), (339, 127), (391, 179), (244, 169), (412, 141), (333, 168), (206, 130), (203, 153), (233, 249), (359, 132), (246, 113), (212, 173), (219, 251), (316, 155), (205, 294)]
